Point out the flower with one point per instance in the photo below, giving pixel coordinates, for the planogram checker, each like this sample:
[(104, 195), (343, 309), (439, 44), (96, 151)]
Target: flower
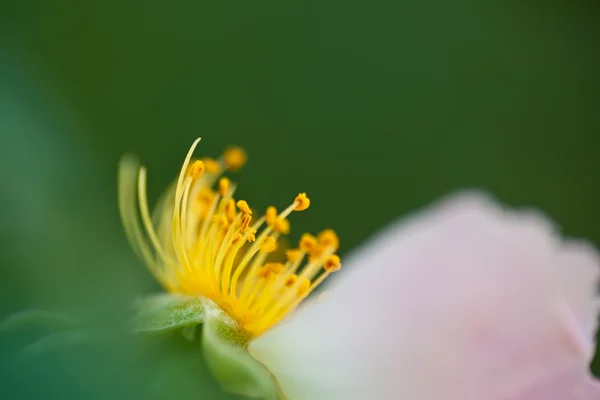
[(201, 242), (464, 301)]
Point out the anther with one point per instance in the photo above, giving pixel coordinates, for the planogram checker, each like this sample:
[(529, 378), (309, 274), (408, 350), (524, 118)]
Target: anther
[(308, 242), (290, 281), (211, 165), (235, 158), (302, 202), (271, 215), (230, 210), (282, 225), (332, 263), (268, 245), (293, 255), (328, 238), (224, 186), (244, 207), (196, 169), (275, 267)]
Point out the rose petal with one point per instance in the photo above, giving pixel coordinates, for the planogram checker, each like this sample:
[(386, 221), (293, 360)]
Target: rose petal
[(463, 301)]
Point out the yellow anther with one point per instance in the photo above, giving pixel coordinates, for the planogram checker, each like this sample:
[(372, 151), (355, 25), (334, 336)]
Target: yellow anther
[(275, 267), (224, 186), (222, 220), (290, 281), (293, 255), (211, 165), (303, 288), (316, 252), (328, 238), (302, 202), (244, 207), (263, 272), (252, 236), (271, 215), (235, 158), (308, 242), (196, 169), (332, 263), (205, 195), (282, 225), (268, 245), (230, 209)]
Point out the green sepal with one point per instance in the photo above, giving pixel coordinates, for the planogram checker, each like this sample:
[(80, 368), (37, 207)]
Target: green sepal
[(225, 351), (164, 312)]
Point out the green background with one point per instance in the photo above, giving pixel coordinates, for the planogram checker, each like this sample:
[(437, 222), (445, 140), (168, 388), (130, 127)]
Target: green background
[(372, 107)]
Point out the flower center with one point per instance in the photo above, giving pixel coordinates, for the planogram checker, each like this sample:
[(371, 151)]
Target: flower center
[(205, 243)]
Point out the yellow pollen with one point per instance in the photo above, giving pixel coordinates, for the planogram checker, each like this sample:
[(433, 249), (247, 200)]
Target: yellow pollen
[(230, 210), (293, 255), (268, 245), (308, 242), (302, 202), (201, 241), (271, 215), (328, 238), (244, 207), (223, 186), (290, 281), (332, 263), (235, 158), (263, 272), (205, 195), (196, 169), (211, 165), (275, 267), (282, 225)]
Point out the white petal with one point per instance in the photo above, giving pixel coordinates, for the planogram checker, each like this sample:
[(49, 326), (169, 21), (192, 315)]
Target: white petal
[(463, 301)]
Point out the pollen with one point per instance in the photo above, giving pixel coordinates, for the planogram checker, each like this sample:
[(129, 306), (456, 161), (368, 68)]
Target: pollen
[(196, 169), (224, 186), (235, 158), (302, 202), (200, 241), (211, 165), (244, 207)]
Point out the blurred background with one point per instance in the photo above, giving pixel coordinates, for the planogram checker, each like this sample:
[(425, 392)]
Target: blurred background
[(373, 108)]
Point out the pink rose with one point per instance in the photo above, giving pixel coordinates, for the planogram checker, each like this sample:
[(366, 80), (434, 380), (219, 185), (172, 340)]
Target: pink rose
[(463, 301)]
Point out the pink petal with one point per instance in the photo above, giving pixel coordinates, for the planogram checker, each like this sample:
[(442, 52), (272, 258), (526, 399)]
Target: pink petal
[(465, 301)]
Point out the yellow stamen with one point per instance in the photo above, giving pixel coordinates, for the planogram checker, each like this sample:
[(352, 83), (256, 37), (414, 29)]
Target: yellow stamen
[(328, 238), (302, 202), (308, 242), (223, 186), (211, 165), (282, 226), (271, 215), (244, 207), (207, 244), (268, 245), (235, 158), (293, 255)]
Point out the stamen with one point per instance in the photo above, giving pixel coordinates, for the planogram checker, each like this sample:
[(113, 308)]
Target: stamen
[(235, 158), (206, 244), (244, 207)]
